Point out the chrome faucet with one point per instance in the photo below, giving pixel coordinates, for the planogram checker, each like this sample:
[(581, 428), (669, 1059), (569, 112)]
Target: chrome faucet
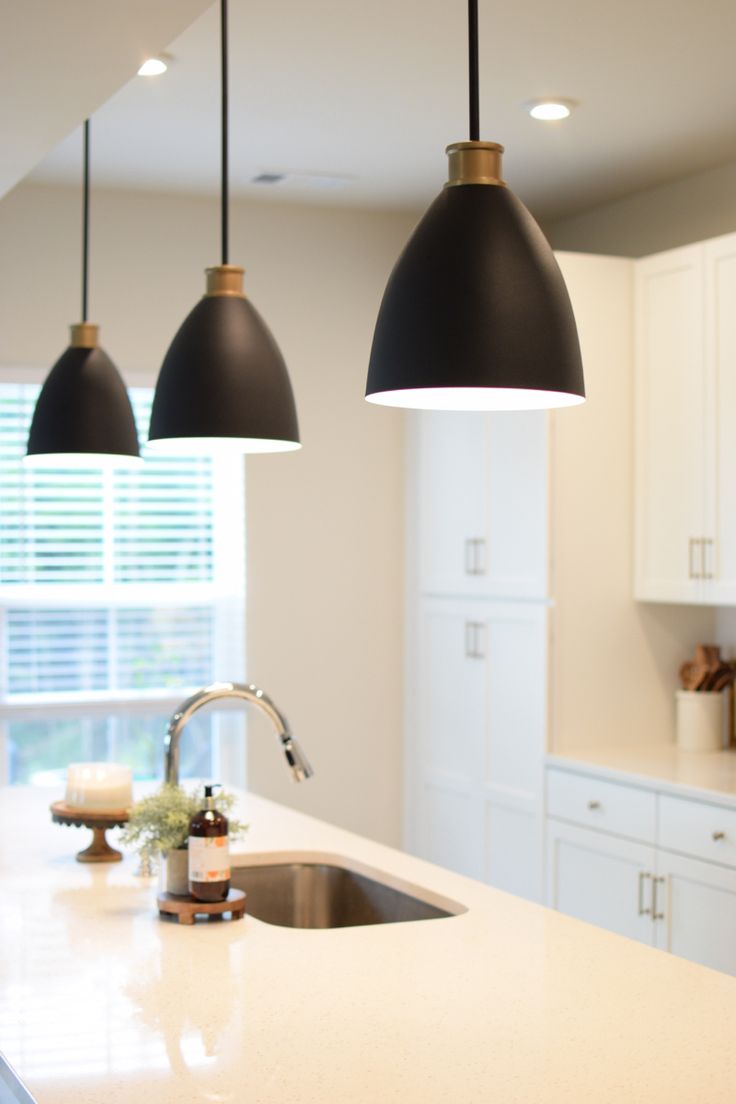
[(295, 757)]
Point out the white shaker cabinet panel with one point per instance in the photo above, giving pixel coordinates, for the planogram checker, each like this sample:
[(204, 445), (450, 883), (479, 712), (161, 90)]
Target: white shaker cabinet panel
[(517, 505), (516, 709), (482, 504), (696, 911), (671, 408), (601, 879), (476, 747), (453, 508), (452, 823), (514, 846), (453, 661)]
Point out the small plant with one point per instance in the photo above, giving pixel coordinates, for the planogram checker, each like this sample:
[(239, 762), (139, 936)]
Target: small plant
[(160, 822)]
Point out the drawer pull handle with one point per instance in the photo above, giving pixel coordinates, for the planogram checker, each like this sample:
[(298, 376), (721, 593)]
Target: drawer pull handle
[(594, 805), (718, 836), (643, 911), (655, 882)]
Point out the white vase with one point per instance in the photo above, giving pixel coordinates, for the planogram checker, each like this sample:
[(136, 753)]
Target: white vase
[(174, 872), (700, 720)]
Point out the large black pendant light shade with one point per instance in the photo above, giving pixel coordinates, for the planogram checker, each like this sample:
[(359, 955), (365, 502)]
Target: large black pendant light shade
[(223, 384), (476, 315), (83, 415)]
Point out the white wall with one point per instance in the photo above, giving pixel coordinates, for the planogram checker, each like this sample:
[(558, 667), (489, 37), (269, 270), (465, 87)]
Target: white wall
[(325, 525), (699, 206), (615, 660)]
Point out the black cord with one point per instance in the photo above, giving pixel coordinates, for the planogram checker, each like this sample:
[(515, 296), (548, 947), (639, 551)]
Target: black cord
[(85, 223), (474, 109), (224, 188)]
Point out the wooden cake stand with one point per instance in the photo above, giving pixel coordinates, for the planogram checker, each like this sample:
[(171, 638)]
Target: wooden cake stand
[(186, 908), (99, 850)]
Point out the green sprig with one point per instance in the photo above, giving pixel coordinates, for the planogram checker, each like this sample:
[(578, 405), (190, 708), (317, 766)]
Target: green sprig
[(160, 822)]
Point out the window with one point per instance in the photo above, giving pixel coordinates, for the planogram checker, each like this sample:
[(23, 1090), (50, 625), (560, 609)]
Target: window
[(120, 593)]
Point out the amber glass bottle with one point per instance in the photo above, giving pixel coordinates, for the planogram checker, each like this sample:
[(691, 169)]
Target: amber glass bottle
[(209, 856)]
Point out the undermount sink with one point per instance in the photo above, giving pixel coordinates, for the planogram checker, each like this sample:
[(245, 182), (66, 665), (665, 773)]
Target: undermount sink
[(321, 892)]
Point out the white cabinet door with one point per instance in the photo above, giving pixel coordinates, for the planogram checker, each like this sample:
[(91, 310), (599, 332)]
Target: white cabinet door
[(696, 911), (602, 879), (477, 738), (720, 294), (482, 510), (671, 407)]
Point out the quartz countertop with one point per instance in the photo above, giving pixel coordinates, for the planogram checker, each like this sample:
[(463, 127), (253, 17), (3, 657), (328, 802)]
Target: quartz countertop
[(508, 1002), (705, 776)]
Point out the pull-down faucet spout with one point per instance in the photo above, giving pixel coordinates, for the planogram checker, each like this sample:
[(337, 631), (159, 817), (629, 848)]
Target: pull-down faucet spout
[(295, 757)]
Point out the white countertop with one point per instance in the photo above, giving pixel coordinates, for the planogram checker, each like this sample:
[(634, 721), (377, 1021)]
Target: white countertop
[(509, 1002), (705, 776)]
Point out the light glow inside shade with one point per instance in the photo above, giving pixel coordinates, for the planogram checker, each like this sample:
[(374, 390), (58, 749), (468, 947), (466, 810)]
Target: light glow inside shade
[(549, 110), (152, 67), (217, 446), (475, 398), (79, 460)]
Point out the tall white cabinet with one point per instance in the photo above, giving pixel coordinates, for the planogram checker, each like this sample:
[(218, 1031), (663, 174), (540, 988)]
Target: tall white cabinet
[(491, 654), (479, 655)]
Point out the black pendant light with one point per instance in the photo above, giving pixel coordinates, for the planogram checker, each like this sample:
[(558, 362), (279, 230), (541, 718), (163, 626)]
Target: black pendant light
[(83, 415), (223, 384), (476, 315)]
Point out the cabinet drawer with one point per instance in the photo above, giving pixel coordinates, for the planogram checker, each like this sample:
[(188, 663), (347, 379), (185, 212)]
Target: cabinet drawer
[(608, 806), (696, 828)]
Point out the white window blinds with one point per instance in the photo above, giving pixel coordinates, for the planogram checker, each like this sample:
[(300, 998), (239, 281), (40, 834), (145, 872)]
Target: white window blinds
[(124, 586)]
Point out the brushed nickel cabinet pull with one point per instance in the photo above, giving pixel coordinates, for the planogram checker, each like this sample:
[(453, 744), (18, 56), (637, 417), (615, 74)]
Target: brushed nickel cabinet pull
[(692, 574), (469, 557), (706, 572), (475, 556), (643, 876), (718, 836), (474, 640), (655, 882), (480, 556), (594, 804)]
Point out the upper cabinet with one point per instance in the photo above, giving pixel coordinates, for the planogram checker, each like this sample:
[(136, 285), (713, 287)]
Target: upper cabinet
[(482, 511), (685, 407)]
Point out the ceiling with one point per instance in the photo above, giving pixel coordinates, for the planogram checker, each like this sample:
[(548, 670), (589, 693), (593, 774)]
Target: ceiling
[(372, 92), (59, 61)]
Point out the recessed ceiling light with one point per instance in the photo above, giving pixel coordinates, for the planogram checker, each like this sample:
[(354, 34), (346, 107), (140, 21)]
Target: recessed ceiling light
[(154, 66), (549, 109)]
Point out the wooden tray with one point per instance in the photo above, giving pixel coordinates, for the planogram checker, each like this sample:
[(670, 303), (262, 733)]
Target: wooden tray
[(186, 908)]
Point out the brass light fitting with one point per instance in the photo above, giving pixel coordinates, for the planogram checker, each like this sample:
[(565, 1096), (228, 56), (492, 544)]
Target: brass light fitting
[(225, 279), (474, 163), (84, 335)]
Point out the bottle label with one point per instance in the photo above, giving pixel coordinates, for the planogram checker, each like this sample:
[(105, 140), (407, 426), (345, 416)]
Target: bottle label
[(209, 859)]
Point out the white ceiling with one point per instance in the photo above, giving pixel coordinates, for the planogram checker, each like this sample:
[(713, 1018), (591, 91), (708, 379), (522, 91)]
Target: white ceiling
[(374, 91), (61, 59)]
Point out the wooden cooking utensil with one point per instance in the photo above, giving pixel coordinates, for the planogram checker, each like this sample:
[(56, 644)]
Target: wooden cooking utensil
[(722, 678), (686, 671), (709, 655)]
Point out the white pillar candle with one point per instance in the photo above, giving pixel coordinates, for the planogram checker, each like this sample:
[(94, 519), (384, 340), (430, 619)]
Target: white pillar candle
[(101, 787)]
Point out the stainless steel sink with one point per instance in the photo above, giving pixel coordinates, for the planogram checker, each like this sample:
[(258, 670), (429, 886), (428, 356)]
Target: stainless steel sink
[(324, 894)]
